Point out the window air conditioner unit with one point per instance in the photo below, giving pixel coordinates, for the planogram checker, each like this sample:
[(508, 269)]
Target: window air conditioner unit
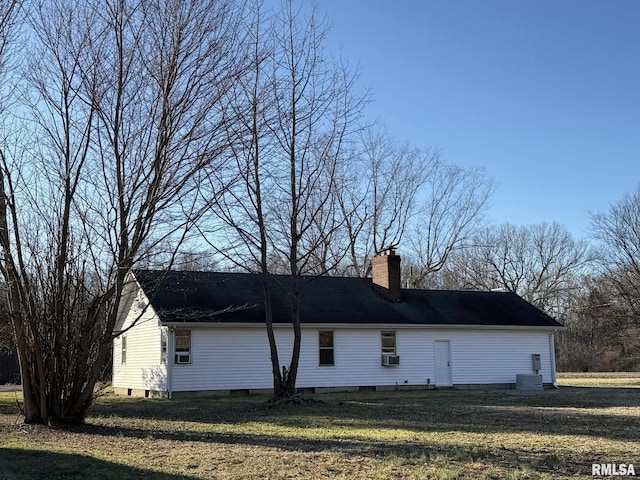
[(389, 360), (183, 358)]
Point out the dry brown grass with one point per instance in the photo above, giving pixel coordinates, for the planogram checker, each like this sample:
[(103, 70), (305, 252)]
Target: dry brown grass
[(408, 434), (600, 379)]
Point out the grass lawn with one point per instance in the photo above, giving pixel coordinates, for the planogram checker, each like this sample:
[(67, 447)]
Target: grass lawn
[(408, 434), (598, 379)]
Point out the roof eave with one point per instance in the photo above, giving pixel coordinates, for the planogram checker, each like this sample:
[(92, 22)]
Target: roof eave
[(457, 326)]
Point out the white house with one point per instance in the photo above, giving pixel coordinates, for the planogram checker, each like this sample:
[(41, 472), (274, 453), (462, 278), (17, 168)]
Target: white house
[(204, 333)]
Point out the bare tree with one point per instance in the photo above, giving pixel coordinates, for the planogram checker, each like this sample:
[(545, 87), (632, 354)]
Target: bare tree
[(128, 105), (297, 112), (243, 211), (602, 330), (10, 12), (316, 112), (452, 213), (10, 16), (377, 196), (542, 263), (618, 230), (598, 333), (7, 342)]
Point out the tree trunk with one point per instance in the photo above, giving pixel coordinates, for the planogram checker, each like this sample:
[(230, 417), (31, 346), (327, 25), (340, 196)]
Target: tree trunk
[(275, 362)]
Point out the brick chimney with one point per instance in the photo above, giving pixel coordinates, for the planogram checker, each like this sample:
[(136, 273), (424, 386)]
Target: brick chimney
[(385, 270)]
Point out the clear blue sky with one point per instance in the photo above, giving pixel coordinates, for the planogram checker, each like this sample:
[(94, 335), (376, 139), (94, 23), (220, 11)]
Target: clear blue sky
[(545, 95)]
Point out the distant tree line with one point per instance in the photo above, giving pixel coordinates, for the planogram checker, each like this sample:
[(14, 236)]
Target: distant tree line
[(222, 135), (590, 287)]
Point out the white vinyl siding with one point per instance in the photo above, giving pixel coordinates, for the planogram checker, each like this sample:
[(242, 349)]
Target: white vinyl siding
[(357, 360), (477, 357), (226, 358), (497, 356), (143, 369)]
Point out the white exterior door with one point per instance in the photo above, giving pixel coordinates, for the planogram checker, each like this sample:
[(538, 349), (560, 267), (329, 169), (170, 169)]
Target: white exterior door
[(443, 363)]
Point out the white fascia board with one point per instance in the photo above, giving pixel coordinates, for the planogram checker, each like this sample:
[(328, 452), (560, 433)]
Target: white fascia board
[(335, 326)]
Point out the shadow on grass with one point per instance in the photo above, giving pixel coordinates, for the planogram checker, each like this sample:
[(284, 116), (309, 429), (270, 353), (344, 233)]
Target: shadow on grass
[(237, 409), (563, 412), (407, 452), (567, 412), (30, 464)]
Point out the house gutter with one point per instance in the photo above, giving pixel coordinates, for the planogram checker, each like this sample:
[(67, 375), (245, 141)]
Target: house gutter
[(441, 326), (552, 356), (170, 357)]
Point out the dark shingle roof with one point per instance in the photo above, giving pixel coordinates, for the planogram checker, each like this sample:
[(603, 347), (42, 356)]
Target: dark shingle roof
[(237, 297)]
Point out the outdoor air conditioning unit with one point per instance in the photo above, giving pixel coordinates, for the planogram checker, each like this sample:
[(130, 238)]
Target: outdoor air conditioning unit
[(528, 382), (389, 360), (183, 358)]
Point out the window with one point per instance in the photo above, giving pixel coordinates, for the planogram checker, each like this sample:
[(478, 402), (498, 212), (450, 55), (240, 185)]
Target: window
[(183, 346), (123, 345), (325, 341), (163, 346), (388, 341)]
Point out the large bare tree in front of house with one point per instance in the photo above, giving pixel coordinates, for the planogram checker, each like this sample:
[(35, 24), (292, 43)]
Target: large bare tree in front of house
[(542, 263), (298, 112), (236, 223), (316, 111), (127, 109), (455, 200)]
